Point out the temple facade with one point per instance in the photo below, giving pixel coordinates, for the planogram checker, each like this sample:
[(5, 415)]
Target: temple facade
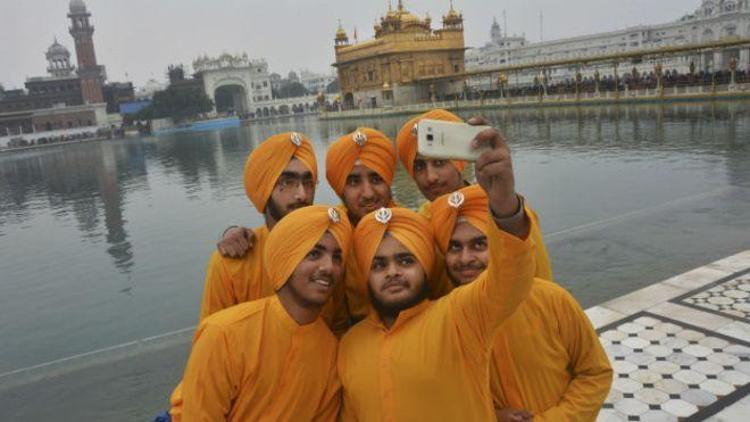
[(401, 63)]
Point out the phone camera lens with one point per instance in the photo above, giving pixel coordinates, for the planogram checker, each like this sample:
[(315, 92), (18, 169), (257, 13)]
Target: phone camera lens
[(430, 137)]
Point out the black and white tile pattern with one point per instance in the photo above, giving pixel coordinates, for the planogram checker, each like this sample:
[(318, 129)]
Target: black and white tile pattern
[(729, 297), (667, 370)]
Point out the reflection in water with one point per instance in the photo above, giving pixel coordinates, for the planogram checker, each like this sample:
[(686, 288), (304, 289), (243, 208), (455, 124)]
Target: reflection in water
[(156, 205), (84, 181)]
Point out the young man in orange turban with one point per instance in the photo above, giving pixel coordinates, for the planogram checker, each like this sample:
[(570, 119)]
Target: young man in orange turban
[(434, 177), (547, 362), (280, 177), (274, 358), (414, 359), (360, 168)]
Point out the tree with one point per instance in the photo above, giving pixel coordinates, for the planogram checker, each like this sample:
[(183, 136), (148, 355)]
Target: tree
[(293, 76), (177, 104), (292, 89)]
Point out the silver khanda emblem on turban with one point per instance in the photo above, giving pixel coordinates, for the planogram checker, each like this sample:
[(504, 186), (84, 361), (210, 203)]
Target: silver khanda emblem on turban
[(333, 215), (456, 200), (359, 138), (383, 215), (296, 138), (414, 129)]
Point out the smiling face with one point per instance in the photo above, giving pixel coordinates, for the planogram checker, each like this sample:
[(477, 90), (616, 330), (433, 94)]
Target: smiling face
[(295, 188), (467, 255), (397, 280), (436, 177), (365, 191), (313, 280)]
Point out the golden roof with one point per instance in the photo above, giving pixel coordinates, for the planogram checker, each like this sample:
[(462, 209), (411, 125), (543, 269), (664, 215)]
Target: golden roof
[(453, 15), (340, 33)]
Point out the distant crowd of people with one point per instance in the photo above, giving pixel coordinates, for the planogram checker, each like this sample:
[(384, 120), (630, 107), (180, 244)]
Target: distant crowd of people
[(633, 80), (630, 81)]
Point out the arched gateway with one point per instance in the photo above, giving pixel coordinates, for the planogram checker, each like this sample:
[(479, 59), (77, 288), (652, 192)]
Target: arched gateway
[(234, 83)]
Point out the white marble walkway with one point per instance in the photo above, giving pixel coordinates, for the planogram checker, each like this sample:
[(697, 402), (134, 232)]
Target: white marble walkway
[(681, 348)]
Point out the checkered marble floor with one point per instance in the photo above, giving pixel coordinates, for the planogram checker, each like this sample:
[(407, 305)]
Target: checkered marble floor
[(666, 370), (729, 296), (680, 349)]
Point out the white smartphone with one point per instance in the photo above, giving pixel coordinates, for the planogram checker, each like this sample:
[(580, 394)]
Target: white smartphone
[(438, 139)]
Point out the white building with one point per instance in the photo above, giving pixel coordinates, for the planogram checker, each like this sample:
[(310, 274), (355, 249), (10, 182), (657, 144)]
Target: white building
[(315, 83), (246, 80), (714, 20)]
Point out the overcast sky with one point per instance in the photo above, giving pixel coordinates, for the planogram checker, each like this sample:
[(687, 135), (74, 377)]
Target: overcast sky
[(138, 39)]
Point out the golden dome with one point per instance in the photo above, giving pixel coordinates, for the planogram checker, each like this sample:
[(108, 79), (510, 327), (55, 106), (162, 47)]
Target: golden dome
[(452, 13), (407, 17), (340, 33)]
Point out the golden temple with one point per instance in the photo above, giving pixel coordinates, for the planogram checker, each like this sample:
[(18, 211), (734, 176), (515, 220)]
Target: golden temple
[(400, 64)]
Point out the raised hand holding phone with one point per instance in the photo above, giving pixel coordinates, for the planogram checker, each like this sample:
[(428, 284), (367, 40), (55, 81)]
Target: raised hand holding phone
[(437, 139)]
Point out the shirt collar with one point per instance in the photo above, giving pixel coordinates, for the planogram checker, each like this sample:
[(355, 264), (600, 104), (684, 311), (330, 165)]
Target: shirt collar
[(403, 317)]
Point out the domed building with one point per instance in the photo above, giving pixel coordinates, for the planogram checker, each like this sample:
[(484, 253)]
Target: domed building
[(67, 97), (59, 60), (406, 62)]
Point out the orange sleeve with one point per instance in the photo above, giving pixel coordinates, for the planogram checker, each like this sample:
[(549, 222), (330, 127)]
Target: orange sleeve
[(480, 307), (589, 364), (217, 290), (543, 264), (210, 383)]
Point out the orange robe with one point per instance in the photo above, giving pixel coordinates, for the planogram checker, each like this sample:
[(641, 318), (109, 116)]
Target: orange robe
[(547, 359), (231, 281), (253, 362), (432, 364)]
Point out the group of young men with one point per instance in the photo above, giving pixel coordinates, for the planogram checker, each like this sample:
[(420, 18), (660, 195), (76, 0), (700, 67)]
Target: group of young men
[(369, 311)]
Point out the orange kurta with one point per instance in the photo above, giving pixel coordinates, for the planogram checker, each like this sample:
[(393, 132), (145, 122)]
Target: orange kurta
[(432, 364), (541, 257), (547, 359), (253, 362), (231, 281)]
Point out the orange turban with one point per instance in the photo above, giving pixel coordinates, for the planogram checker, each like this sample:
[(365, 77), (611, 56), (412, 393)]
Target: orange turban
[(469, 203), (295, 235), (268, 160), (408, 227), (407, 139), (369, 146)]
